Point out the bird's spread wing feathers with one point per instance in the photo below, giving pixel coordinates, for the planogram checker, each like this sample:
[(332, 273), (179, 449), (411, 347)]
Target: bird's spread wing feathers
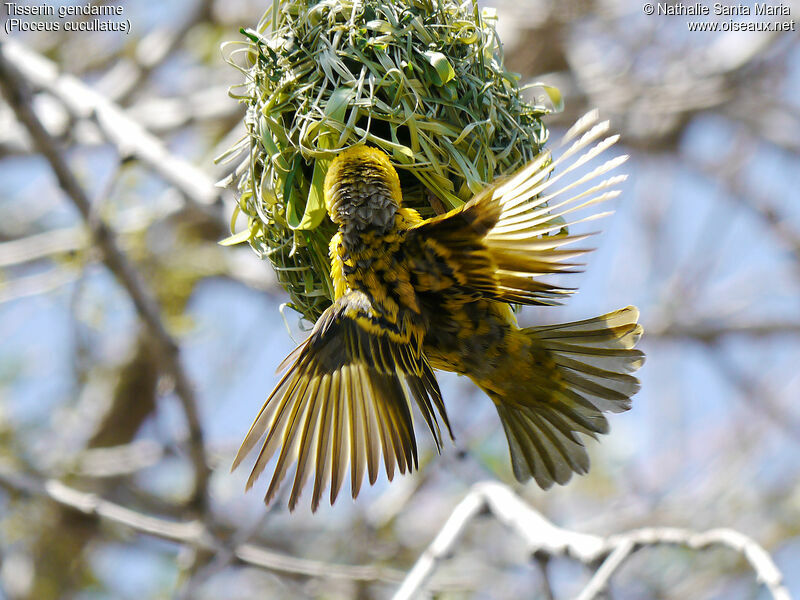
[(503, 240), (585, 370), (346, 397)]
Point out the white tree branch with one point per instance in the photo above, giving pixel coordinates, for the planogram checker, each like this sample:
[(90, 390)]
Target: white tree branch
[(543, 537)]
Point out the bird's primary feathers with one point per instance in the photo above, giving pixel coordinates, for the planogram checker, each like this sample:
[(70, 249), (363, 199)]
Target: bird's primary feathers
[(415, 295)]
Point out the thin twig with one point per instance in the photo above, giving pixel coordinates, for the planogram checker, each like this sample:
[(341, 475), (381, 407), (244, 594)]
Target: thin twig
[(759, 559), (706, 333), (41, 245), (114, 461), (222, 558), (542, 561), (33, 285), (440, 547), (18, 96), (600, 580)]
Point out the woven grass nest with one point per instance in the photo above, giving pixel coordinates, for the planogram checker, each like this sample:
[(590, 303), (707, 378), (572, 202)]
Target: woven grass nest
[(422, 80)]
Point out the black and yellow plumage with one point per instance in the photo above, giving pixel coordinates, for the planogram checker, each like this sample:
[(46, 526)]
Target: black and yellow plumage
[(415, 295)]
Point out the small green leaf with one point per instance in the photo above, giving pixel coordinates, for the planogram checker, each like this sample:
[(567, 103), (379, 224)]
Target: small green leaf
[(441, 66), (553, 95), (268, 143), (290, 193), (235, 215), (236, 238), (315, 203), (380, 26), (250, 34), (396, 149), (315, 211), (337, 103)]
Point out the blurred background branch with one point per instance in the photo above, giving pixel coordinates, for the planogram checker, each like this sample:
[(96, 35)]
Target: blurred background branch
[(18, 96), (196, 534)]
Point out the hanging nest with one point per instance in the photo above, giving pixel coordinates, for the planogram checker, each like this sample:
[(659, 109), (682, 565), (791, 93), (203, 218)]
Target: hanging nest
[(422, 80)]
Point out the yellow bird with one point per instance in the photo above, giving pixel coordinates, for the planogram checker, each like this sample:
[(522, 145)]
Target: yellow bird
[(415, 295)]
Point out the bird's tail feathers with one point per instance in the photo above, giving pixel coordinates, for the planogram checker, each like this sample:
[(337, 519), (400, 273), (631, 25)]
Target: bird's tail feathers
[(581, 370)]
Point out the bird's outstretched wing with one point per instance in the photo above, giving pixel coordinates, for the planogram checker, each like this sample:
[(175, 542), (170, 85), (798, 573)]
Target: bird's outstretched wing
[(346, 397), (505, 239)]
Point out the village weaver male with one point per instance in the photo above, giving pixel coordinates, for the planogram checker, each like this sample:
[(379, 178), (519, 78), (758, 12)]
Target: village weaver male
[(415, 295)]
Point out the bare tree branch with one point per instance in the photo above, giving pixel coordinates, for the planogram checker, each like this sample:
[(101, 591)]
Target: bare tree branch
[(41, 245), (157, 115), (441, 546), (116, 126), (703, 332), (124, 459), (127, 77), (197, 535), (18, 95), (544, 537), (33, 285), (238, 262)]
